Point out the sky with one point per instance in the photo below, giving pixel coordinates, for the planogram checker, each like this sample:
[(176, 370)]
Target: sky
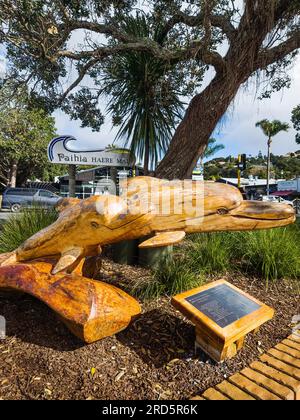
[(239, 134)]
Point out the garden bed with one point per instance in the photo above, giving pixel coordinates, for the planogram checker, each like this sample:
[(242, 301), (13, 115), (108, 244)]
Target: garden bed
[(152, 359)]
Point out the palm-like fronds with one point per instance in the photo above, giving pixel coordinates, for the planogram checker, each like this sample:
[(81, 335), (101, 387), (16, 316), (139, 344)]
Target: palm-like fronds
[(212, 148), (272, 128), (144, 99)]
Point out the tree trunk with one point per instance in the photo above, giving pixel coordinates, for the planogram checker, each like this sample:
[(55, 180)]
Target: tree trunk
[(192, 135), (72, 180), (146, 153), (13, 174), (207, 108)]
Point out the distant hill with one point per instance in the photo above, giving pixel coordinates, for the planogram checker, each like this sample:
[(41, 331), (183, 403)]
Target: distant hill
[(287, 166)]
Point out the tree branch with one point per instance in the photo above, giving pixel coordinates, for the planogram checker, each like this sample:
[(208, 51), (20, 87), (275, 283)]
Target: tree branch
[(270, 56), (285, 9), (80, 77), (106, 51), (199, 50), (194, 50), (219, 21), (109, 30)]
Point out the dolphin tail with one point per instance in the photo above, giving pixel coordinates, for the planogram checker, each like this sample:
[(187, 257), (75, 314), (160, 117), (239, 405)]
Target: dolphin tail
[(68, 259)]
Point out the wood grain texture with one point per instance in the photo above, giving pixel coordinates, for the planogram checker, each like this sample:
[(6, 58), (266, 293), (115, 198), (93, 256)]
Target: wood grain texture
[(272, 386), (91, 309), (281, 366), (284, 357), (233, 392), (213, 395), (278, 376), (252, 388), (163, 239)]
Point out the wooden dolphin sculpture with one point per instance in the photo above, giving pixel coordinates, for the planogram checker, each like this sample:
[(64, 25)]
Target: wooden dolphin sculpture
[(166, 210)]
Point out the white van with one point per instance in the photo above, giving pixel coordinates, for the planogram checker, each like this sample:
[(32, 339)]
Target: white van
[(276, 199)]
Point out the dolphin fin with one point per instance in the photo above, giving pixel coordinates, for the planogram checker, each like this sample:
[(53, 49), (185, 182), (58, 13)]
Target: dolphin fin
[(66, 203), (67, 259), (163, 239)]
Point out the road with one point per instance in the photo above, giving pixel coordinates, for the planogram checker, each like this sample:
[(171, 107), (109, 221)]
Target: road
[(4, 215)]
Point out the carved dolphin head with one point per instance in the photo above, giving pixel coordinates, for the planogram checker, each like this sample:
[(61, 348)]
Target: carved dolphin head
[(225, 210), (205, 207)]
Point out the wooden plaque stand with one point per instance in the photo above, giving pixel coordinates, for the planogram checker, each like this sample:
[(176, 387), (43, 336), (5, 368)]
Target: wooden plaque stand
[(223, 336)]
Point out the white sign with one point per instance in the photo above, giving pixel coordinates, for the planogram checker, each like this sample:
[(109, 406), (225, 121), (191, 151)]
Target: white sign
[(197, 178), (288, 185), (63, 150)]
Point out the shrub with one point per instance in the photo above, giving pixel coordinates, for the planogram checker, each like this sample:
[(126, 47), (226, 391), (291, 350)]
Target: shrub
[(21, 226), (172, 276), (269, 255), (209, 253)]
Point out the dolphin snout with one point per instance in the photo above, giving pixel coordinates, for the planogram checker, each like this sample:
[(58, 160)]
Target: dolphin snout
[(264, 211)]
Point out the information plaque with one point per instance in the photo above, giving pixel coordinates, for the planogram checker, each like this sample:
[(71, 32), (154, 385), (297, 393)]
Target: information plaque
[(223, 315), (223, 305)]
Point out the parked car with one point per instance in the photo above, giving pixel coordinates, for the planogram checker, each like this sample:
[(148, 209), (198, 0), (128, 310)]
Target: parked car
[(276, 199), (15, 199)]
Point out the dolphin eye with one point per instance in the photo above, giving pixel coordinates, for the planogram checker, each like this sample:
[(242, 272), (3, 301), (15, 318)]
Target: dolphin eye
[(222, 211), (94, 225)]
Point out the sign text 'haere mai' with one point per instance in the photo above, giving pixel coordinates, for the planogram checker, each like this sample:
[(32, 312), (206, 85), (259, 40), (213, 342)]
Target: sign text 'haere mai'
[(63, 150)]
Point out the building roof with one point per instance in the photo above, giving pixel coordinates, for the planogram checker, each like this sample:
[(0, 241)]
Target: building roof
[(248, 182), (89, 174)]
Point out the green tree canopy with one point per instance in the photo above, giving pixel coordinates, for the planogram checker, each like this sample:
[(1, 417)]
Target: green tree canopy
[(296, 122), (213, 147), (45, 39), (24, 136), (282, 167), (272, 128)]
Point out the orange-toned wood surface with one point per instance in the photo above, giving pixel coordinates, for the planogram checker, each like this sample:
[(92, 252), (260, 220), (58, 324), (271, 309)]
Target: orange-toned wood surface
[(221, 343), (91, 309)]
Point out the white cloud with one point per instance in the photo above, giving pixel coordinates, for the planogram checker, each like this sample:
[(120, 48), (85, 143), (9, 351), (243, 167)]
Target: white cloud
[(87, 139), (239, 133)]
